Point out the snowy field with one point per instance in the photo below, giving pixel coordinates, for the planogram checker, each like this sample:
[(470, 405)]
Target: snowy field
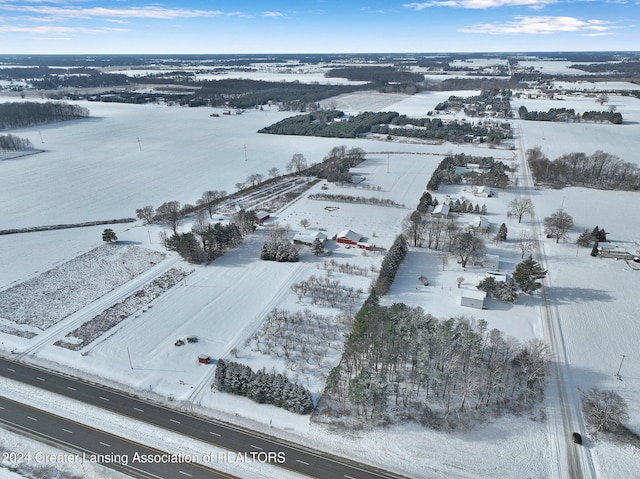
[(125, 157)]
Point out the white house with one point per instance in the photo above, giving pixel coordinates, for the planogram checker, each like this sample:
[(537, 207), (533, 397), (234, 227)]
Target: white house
[(307, 238), (473, 298), (483, 191)]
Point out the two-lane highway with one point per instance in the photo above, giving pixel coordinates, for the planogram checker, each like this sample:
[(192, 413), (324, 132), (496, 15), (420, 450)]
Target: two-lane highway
[(236, 440), (86, 444)]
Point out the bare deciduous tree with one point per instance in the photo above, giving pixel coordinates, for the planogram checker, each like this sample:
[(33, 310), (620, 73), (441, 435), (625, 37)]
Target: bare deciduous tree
[(605, 410), (521, 206), (525, 243), (274, 172), (146, 214), (297, 163), (467, 246), (171, 213), (209, 197), (558, 224)]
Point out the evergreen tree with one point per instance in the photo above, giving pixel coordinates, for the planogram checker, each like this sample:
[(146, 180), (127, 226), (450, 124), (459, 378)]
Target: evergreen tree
[(317, 248), (526, 274), (502, 233), (109, 236), (585, 238), (507, 290), (488, 285)]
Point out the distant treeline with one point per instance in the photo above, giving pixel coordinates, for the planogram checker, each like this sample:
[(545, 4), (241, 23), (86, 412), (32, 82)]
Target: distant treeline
[(23, 114), (569, 114), (476, 83), (329, 124), (14, 143), (241, 93), (375, 74), (598, 170), (630, 67)]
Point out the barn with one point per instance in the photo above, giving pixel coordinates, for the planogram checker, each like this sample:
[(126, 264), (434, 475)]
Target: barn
[(349, 237), (473, 298)]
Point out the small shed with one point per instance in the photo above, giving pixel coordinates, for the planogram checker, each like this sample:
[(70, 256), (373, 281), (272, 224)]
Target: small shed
[(497, 275), (473, 298), (349, 237), (262, 216), (441, 210), (204, 359), (479, 223)]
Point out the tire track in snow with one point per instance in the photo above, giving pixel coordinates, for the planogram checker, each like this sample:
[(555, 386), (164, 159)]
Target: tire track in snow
[(570, 463), (96, 307)]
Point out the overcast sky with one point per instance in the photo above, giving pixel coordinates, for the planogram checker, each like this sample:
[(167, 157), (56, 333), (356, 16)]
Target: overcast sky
[(316, 26)]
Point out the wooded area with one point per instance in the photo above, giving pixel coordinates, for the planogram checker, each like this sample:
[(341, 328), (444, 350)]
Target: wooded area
[(402, 361), (598, 170), (23, 114)]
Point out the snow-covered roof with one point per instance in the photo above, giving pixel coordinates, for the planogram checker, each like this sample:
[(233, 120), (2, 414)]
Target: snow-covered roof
[(479, 222), (350, 235), (310, 237), (441, 209), (473, 294)]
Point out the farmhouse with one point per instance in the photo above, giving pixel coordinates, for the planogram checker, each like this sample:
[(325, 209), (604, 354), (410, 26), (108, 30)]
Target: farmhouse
[(483, 192), (473, 298), (308, 238), (349, 237)]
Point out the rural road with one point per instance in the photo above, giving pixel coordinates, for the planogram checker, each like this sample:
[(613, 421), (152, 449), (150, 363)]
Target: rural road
[(294, 458), (573, 461)]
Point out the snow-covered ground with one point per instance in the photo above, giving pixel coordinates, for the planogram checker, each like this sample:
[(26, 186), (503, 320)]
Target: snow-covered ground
[(127, 156)]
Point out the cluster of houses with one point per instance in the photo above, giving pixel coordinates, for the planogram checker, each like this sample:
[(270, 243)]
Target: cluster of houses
[(346, 237)]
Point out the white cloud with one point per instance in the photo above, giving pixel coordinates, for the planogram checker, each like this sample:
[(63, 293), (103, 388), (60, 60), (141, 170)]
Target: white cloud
[(56, 30), (478, 4), (149, 12), (542, 26), (272, 14)]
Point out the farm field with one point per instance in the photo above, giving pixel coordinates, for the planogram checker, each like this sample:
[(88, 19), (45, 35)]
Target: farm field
[(128, 156)]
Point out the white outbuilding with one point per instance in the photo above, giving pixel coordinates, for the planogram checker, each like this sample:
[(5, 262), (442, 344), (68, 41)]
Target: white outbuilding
[(473, 298)]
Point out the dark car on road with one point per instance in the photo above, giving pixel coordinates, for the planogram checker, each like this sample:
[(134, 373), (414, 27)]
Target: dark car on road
[(577, 438)]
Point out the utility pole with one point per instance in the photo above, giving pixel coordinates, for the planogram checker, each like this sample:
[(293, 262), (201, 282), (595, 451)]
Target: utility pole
[(619, 368), (129, 354)]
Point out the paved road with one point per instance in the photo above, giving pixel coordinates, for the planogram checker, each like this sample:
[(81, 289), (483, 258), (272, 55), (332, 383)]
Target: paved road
[(577, 459), (234, 439), (90, 445)]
